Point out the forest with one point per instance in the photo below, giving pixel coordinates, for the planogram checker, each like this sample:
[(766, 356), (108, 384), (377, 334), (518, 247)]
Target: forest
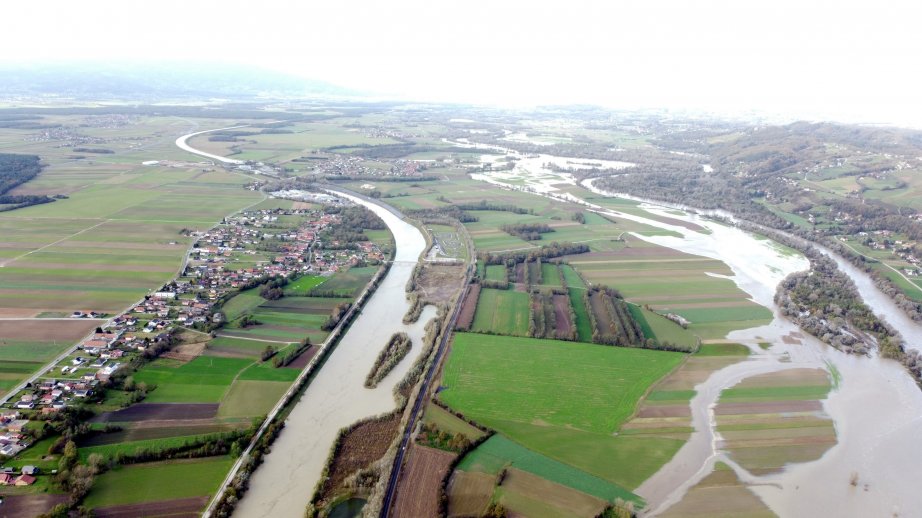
[(16, 170)]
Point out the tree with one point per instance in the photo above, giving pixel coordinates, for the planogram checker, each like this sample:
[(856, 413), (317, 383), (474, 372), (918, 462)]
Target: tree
[(70, 456), (96, 462)]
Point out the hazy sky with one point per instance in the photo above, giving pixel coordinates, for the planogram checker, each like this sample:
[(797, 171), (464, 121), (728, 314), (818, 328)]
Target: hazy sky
[(835, 59)]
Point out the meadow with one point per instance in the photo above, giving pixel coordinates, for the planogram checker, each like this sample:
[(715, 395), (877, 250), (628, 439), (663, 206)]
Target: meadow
[(158, 481), (502, 311), (498, 453), (203, 380), (564, 400)]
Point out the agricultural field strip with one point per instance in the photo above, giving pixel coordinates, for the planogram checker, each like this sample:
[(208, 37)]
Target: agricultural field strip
[(50, 365), (13, 259)]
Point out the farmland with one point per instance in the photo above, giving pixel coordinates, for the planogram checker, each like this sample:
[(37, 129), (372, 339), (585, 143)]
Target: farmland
[(514, 385), (511, 319), (673, 282), (770, 420), (157, 482)]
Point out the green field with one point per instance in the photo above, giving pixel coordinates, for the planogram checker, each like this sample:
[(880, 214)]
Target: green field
[(303, 285), (661, 328), (502, 311), (242, 303), (111, 450), (117, 235), (248, 398), (498, 378), (572, 277), (449, 423), (158, 481), (496, 272), (203, 380), (350, 283), (583, 323), (549, 275), (499, 452), (564, 400)]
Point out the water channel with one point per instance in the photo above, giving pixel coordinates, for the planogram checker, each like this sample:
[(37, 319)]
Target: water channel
[(283, 485)]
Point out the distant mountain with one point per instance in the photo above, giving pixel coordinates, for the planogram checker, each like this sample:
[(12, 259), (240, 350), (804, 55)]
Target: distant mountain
[(124, 81)]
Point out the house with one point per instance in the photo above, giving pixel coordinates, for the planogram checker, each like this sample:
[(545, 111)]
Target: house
[(25, 405), (25, 480), (17, 425), (31, 470), (7, 479)]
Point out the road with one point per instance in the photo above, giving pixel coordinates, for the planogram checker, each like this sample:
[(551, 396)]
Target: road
[(421, 398)]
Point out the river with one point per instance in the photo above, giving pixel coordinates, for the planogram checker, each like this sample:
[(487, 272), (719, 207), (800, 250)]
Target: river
[(182, 143), (283, 485), (876, 408)]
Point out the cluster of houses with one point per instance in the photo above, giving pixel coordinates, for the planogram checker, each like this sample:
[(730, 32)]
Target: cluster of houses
[(210, 273), (881, 240), (346, 165), (12, 438), (26, 476), (76, 377)]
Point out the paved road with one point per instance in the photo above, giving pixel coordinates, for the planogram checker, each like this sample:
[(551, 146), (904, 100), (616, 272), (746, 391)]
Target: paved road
[(420, 402)]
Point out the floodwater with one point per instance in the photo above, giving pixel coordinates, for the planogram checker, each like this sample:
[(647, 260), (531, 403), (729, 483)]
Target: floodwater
[(283, 485), (876, 407)]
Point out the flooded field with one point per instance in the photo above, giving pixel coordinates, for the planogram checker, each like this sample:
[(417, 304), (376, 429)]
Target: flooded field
[(875, 406)]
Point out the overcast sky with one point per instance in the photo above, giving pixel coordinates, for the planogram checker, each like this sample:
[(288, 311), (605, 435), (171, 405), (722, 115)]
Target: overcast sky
[(843, 60)]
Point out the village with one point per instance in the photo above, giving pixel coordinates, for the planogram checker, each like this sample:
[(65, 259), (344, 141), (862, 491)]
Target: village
[(242, 252)]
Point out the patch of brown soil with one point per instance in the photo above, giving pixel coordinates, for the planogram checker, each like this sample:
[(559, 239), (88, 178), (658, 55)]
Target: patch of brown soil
[(359, 449), (102, 267), (183, 507), (420, 481), (304, 358), (440, 282), (468, 309), (562, 316), (47, 330), (469, 493), (17, 506), (553, 494), (160, 412), (186, 352), (720, 494), (18, 312)]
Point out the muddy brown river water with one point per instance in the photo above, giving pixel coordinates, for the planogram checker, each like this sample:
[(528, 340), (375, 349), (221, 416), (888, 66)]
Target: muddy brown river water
[(283, 485)]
